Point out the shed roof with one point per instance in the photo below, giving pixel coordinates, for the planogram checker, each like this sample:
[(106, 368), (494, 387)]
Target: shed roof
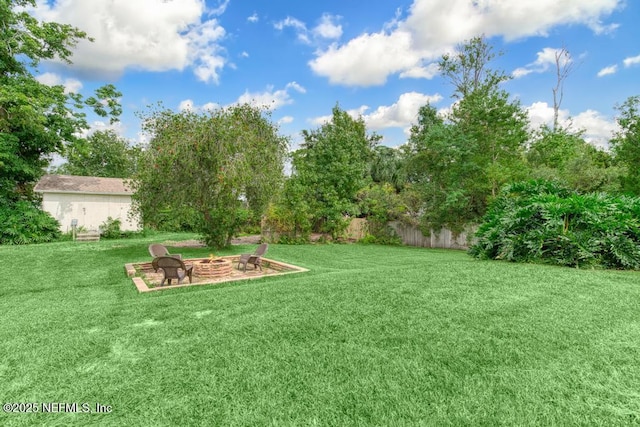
[(82, 184)]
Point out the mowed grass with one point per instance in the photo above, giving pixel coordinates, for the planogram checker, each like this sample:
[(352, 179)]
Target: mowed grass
[(372, 335)]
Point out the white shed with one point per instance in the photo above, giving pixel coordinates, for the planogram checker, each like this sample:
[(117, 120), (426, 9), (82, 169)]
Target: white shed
[(88, 199)]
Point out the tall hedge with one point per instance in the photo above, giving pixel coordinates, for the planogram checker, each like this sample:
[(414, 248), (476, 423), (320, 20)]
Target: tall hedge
[(540, 221)]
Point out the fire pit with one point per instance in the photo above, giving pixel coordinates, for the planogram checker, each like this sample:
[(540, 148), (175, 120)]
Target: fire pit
[(212, 268)]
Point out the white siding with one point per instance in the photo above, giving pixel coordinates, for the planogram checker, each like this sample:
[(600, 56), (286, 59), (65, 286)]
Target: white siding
[(91, 210)]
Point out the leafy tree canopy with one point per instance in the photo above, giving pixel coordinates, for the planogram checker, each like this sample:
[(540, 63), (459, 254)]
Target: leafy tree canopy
[(37, 120), (460, 164), (626, 143), (219, 168), (103, 153), (333, 165), (564, 156)]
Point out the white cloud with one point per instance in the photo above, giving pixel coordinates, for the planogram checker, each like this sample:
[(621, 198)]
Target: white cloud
[(402, 113), (443, 22), (356, 113), (368, 59), (633, 60), (612, 69), (328, 28), (152, 35), (546, 59), (204, 53), (253, 18), (51, 79), (421, 72), (521, 72), (299, 27), (219, 10), (433, 27), (540, 113), (271, 98), (285, 120), (597, 128), (188, 105)]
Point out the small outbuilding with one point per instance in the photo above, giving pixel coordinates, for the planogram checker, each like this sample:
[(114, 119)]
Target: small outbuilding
[(88, 200)]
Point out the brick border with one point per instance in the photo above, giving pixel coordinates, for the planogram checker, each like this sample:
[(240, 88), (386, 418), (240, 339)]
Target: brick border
[(141, 286)]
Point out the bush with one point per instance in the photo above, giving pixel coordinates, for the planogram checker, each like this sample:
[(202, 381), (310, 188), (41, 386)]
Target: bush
[(110, 229), (380, 203), (391, 238), (23, 222), (289, 219), (540, 221)]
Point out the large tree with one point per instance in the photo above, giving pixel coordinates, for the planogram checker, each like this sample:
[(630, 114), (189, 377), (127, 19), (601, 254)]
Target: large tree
[(220, 167), (461, 163), (36, 120), (442, 169), (333, 165), (103, 153), (626, 143)]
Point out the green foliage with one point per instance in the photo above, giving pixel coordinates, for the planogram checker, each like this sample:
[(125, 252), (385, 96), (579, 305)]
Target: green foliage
[(388, 165), (498, 129), (380, 204), (36, 120), (173, 219), (106, 96), (103, 153), (443, 173), (563, 156), (467, 70), (289, 217), (110, 229), (332, 166), (214, 171), (626, 144), (539, 221), (458, 165), (23, 223), (27, 41)]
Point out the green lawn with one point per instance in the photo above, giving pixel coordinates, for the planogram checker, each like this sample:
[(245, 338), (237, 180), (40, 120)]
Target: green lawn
[(372, 335)]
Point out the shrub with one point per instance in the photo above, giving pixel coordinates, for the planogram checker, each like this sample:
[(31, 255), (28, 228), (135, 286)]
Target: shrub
[(540, 221), (110, 229), (23, 222), (289, 217), (380, 203)]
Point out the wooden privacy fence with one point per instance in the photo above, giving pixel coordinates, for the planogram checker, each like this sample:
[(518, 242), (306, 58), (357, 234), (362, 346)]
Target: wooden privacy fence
[(446, 239), (412, 236), (409, 234)]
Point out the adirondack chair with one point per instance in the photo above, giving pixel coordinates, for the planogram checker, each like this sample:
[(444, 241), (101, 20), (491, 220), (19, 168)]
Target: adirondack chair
[(174, 268), (157, 250), (254, 258)]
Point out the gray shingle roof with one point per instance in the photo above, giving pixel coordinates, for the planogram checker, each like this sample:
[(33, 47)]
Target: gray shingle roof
[(82, 184)]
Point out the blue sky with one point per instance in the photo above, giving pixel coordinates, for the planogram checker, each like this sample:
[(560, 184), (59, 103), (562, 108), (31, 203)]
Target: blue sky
[(375, 58)]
